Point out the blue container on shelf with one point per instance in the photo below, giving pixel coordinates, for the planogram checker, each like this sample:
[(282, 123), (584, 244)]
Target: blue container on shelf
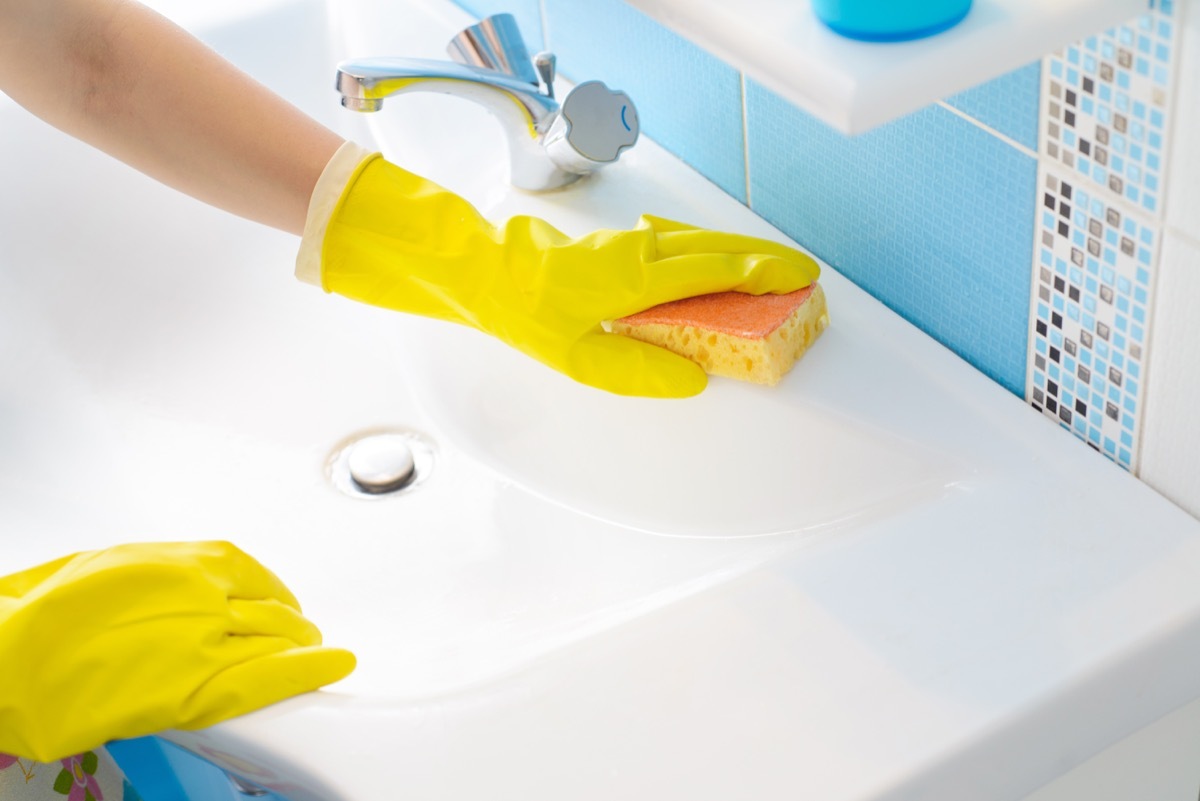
[(890, 20)]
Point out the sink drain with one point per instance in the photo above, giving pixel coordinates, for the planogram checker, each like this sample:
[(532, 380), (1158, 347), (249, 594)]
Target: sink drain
[(380, 464)]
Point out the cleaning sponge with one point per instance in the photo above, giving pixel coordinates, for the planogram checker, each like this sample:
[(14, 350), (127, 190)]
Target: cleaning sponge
[(749, 337)]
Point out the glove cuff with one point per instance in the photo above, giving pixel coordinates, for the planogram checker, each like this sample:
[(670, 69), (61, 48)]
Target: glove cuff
[(325, 196)]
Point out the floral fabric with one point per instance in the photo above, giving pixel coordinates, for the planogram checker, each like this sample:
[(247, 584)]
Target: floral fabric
[(90, 776)]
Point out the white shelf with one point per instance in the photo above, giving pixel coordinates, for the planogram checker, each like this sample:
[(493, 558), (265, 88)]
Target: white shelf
[(855, 86)]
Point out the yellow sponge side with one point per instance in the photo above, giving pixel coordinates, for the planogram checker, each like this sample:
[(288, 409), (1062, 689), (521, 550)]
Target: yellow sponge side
[(761, 361)]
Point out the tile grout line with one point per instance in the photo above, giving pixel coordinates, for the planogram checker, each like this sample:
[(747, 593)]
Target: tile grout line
[(1035, 264), (1179, 233), (1002, 137), (1040, 170), (745, 137)]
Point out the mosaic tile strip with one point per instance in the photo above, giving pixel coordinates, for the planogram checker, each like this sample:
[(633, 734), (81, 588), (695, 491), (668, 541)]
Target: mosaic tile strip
[(1105, 104), (1093, 274)]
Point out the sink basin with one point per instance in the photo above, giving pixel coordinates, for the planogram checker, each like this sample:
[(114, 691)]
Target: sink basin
[(175, 382), (738, 460), (874, 581)]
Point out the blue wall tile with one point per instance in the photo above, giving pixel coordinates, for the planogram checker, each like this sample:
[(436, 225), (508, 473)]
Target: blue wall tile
[(931, 214), (1009, 104), (527, 12), (688, 101)]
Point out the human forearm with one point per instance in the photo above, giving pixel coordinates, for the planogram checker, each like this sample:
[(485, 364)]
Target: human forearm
[(122, 78)]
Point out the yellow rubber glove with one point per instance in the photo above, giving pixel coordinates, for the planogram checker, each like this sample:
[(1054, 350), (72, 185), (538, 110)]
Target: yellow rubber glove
[(389, 238), (135, 639)]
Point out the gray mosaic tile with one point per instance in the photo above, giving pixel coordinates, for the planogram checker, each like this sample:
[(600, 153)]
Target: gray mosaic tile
[(1106, 103), (1094, 265)]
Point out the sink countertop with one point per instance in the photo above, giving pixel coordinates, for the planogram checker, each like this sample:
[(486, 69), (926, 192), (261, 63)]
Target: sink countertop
[(973, 633)]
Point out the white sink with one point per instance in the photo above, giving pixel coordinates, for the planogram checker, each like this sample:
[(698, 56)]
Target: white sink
[(874, 581)]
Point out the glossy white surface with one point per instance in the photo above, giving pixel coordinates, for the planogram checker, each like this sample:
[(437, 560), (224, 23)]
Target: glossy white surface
[(854, 86), (987, 609), (735, 462)]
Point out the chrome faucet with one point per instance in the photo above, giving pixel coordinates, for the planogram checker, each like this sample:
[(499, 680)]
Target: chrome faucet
[(550, 144)]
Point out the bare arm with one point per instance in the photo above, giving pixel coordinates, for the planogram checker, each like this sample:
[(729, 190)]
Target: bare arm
[(124, 79)]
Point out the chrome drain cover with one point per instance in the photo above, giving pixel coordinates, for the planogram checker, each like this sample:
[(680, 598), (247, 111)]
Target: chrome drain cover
[(380, 464)]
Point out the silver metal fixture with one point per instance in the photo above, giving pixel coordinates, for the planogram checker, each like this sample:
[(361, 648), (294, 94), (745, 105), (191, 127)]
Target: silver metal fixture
[(550, 144), (244, 787), (379, 464)]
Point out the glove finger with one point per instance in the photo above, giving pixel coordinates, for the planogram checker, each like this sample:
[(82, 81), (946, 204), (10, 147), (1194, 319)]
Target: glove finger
[(240, 574), (271, 618), (755, 273), (703, 274), (234, 690), (679, 241), (662, 225), (256, 683), (217, 563), (17, 585), (626, 366), (154, 689)]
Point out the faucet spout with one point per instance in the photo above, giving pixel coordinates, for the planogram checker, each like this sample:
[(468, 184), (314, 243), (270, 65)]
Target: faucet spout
[(524, 113), (550, 144), (365, 83)]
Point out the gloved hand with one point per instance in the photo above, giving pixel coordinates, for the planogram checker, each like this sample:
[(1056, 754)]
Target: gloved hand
[(135, 639), (389, 238)]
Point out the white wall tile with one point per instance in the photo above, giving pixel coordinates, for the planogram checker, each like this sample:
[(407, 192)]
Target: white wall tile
[(1183, 183), (1171, 429)]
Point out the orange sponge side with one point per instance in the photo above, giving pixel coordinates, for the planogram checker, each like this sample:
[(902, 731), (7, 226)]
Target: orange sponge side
[(749, 337)]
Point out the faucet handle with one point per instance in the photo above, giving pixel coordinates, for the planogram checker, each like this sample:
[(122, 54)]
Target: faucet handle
[(594, 127), (494, 43), (546, 63)]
